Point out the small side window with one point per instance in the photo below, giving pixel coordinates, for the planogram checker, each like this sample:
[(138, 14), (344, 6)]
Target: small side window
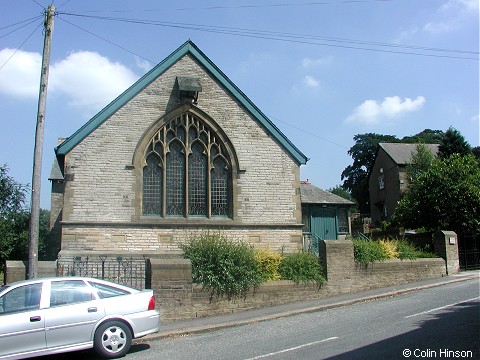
[(66, 292), (23, 298), (106, 291), (381, 183)]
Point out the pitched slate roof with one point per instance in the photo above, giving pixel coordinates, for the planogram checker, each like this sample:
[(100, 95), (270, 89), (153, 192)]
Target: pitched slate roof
[(402, 153), (310, 194), (188, 48)]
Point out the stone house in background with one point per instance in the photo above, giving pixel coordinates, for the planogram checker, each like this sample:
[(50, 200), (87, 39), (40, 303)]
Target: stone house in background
[(182, 151), (388, 179)]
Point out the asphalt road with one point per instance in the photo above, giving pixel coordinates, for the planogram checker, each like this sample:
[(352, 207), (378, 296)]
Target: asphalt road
[(438, 322)]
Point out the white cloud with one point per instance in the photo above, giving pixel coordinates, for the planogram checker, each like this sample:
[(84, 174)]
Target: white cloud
[(470, 6), (308, 62), (20, 74), (310, 81), (143, 64), (372, 112), (87, 79), (454, 12)]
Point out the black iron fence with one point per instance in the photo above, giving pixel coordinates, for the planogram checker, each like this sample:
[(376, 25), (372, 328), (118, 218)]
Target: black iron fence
[(130, 271), (469, 251)]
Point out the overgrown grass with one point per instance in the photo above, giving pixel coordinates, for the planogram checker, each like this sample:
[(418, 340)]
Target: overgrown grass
[(369, 251)]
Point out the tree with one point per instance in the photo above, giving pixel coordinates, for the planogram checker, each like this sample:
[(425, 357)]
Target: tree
[(12, 193), (476, 152), (340, 191), (453, 143), (356, 175), (427, 136), (447, 196), (14, 221), (421, 161)]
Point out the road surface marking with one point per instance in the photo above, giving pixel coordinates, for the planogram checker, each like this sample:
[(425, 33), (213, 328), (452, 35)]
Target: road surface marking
[(442, 307), (293, 348)]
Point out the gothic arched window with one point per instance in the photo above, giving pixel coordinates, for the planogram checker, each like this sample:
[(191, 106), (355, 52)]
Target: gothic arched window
[(187, 171)]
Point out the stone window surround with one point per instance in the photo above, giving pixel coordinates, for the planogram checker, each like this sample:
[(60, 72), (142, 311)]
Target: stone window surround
[(139, 158)]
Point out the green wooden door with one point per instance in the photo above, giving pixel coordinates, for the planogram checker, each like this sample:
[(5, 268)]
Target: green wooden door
[(324, 224)]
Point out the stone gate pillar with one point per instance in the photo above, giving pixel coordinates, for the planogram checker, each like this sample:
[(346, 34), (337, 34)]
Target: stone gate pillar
[(446, 246)]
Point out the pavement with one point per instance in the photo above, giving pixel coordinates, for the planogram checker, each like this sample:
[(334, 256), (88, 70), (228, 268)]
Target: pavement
[(206, 324)]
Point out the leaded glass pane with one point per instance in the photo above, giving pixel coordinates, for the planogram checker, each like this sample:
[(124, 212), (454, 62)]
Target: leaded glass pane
[(197, 181), (342, 220), (219, 188), (152, 187), (175, 180)]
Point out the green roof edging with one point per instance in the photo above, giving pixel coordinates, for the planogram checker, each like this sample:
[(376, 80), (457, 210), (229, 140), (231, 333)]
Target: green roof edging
[(187, 48)]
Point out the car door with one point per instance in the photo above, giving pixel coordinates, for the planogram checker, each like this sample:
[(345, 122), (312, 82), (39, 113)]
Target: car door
[(22, 322), (73, 313)]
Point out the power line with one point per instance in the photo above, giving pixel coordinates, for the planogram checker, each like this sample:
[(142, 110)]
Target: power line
[(108, 41), (301, 38), (307, 132), (246, 6), (23, 43), (24, 22)]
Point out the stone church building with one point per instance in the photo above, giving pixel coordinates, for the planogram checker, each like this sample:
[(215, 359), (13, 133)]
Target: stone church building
[(182, 151)]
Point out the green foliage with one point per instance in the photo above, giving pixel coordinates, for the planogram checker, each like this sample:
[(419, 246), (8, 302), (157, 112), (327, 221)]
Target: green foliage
[(356, 175), (340, 191), (369, 251), (12, 194), (427, 136), (269, 263), (447, 196), (421, 161), (223, 267), (453, 143), (14, 221), (302, 267)]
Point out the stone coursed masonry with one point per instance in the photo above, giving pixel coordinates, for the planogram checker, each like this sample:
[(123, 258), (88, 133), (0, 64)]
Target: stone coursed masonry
[(97, 183), (178, 298)]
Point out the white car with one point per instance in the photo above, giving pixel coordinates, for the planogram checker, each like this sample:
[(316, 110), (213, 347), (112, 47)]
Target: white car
[(56, 315)]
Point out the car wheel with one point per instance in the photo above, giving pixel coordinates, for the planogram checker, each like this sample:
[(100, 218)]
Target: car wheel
[(112, 339)]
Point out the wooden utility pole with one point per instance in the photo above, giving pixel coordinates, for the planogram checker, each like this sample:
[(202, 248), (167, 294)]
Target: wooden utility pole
[(37, 155)]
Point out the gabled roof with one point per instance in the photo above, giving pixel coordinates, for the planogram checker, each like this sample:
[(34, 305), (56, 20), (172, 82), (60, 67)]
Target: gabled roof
[(401, 153), (310, 194), (188, 48)]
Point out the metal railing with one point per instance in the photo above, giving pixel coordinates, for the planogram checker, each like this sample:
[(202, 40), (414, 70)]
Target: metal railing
[(130, 271)]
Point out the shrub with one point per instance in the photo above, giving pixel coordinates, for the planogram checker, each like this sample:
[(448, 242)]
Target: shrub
[(389, 249), (269, 262), (368, 251), (302, 267), (223, 267)]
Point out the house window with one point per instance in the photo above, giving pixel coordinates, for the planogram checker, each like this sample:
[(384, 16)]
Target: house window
[(342, 220), (381, 183), (187, 171)]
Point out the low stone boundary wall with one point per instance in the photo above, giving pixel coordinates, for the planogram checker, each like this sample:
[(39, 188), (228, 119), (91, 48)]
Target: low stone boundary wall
[(178, 298)]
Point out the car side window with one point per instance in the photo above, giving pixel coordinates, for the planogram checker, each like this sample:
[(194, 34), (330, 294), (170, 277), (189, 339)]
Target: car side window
[(105, 291), (66, 292), (23, 298)]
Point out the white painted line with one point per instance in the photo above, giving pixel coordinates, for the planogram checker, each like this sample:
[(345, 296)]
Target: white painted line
[(293, 348), (442, 307)]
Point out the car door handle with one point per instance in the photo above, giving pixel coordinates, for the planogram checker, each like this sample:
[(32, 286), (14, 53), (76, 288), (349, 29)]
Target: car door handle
[(92, 309), (35, 318)]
